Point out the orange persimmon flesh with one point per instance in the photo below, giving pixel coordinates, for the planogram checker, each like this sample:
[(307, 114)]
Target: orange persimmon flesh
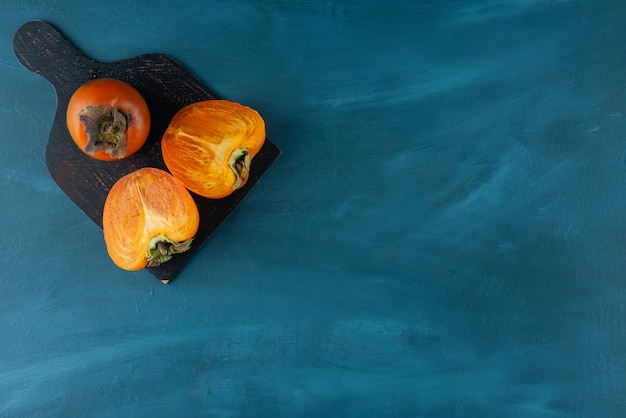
[(209, 146), (148, 215)]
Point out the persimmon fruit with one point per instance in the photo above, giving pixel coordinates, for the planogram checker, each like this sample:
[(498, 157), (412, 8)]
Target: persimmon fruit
[(148, 217), (108, 119), (209, 146)]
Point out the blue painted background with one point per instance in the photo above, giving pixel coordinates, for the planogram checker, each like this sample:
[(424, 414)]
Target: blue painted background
[(444, 235)]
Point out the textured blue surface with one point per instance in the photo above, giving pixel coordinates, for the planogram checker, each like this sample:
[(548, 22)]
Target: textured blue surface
[(443, 236)]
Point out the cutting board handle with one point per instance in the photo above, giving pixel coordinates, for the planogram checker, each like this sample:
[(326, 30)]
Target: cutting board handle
[(44, 51)]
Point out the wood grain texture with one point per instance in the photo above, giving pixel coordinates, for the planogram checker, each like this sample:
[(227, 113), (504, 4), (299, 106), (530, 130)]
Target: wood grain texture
[(166, 87)]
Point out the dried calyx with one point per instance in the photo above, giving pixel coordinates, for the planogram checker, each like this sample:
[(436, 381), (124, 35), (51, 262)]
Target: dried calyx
[(105, 129)]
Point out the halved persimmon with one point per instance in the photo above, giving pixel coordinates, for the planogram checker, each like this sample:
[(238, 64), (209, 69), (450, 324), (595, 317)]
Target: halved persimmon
[(209, 146), (108, 119), (148, 216)]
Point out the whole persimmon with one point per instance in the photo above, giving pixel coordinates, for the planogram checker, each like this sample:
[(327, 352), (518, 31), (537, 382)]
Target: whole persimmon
[(108, 119), (209, 146), (148, 217)]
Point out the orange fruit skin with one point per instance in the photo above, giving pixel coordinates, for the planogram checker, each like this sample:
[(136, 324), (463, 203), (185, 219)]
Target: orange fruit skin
[(142, 205), (111, 93), (200, 139)]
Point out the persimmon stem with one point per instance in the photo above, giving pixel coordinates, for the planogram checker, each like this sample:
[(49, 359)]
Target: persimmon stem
[(239, 162), (161, 249), (105, 129)]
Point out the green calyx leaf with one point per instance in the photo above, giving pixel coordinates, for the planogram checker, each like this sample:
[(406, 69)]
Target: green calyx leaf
[(239, 162), (161, 249)]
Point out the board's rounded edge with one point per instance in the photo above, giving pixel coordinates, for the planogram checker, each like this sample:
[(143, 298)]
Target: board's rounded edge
[(44, 50)]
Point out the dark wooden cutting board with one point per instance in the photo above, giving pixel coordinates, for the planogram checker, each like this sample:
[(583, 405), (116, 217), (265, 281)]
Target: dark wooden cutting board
[(166, 87)]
